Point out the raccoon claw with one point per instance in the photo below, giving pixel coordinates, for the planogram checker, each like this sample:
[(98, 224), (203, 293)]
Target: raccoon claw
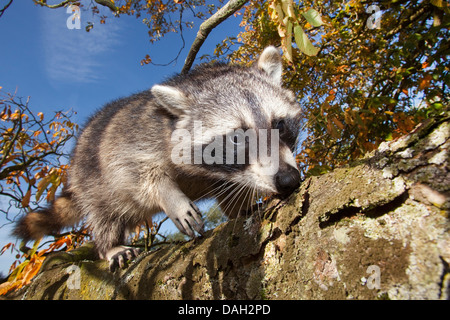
[(119, 256), (191, 221)]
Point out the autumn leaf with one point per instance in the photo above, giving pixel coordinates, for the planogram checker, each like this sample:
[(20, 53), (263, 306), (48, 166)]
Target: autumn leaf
[(425, 82), (6, 247), (439, 3), (338, 123), (330, 98), (26, 198)]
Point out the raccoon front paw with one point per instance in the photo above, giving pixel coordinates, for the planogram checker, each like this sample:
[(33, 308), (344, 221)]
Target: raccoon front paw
[(188, 219), (118, 256)]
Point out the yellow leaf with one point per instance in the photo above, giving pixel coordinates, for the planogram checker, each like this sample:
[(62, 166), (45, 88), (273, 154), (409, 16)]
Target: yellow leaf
[(36, 133), (8, 286), (42, 185)]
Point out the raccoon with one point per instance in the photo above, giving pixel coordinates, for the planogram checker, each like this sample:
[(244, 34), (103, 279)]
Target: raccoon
[(144, 154)]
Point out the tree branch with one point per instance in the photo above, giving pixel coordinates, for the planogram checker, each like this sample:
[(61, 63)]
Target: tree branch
[(2, 11), (105, 3), (206, 27), (54, 6)]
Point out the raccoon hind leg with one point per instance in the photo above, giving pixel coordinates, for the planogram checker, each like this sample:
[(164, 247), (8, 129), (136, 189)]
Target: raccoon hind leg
[(117, 256), (109, 238)]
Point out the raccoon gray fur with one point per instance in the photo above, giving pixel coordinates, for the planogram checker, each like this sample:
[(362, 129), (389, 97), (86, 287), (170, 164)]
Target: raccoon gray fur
[(121, 171)]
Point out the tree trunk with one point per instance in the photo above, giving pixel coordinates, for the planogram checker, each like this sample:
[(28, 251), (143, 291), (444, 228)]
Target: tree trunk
[(377, 229)]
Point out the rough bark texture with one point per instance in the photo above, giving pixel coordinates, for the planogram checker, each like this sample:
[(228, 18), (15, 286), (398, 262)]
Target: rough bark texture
[(378, 229)]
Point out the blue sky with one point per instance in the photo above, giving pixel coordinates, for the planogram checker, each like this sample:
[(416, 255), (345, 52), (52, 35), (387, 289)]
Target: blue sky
[(63, 69)]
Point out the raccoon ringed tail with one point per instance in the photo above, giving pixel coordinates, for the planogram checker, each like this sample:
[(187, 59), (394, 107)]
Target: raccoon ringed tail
[(48, 221)]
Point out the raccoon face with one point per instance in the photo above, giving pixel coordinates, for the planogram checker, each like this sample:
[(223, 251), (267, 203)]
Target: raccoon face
[(235, 124)]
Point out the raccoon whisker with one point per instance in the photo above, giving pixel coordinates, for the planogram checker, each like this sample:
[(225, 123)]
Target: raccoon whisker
[(232, 193), (236, 192), (246, 199), (255, 197), (234, 200), (259, 205), (230, 197), (225, 188), (213, 192), (218, 185), (219, 191), (222, 190)]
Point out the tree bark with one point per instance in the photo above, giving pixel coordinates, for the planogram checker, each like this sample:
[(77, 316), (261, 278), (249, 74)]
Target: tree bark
[(377, 229)]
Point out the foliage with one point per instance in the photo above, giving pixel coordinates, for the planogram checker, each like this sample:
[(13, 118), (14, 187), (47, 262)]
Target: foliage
[(33, 166), (374, 78), (33, 154), (26, 270), (285, 17)]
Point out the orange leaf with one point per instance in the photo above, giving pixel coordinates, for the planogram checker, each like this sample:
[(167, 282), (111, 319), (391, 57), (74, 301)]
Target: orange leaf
[(425, 82), (6, 247), (26, 199), (8, 286), (330, 98), (338, 123)]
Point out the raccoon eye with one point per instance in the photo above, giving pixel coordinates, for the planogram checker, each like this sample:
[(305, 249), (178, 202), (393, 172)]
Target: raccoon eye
[(281, 126)]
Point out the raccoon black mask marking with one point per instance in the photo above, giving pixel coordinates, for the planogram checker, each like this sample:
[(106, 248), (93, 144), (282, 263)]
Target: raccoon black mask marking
[(220, 131)]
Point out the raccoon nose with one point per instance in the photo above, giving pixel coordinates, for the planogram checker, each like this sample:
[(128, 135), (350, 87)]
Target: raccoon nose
[(286, 181)]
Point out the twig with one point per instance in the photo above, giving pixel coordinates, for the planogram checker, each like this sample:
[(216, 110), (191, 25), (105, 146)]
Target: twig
[(105, 3), (183, 42), (206, 27), (2, 11)]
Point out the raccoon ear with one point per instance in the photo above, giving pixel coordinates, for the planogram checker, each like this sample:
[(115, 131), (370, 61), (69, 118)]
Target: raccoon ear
[(172, 99), (270, 62)]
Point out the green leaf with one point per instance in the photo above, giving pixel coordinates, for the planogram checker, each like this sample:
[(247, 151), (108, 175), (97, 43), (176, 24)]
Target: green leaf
[(42, 186), (439, 3), (313, 17), (288, 39), (303, 43)]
